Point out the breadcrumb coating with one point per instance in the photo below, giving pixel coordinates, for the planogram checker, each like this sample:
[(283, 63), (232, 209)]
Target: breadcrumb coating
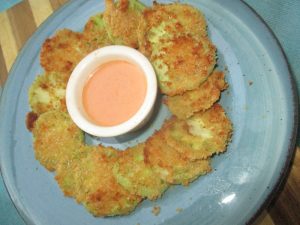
[(169, 163), (62, 52), (202, 135), (121, 21), (94, 35), (183, 64), (185, 105), (56, 138), (137, 177), (48, 93)]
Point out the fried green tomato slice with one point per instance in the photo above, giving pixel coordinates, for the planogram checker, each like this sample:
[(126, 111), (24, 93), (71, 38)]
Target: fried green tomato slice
[(48, 92), (91, 182), (169, 163), (94, 34), (202, 135), (134, 175), (56, 138), (163, 22), (62, 52), (183, 64), (69, 173), (185, 105), (121, 21)]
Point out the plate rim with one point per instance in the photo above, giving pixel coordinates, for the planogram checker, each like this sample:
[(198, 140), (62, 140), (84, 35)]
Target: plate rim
[(290, 150)]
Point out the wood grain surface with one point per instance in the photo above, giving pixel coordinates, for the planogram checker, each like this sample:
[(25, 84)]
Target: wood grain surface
[(18, 24)]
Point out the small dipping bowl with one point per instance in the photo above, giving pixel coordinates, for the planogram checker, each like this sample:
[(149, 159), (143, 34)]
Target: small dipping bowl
[(81, 75)]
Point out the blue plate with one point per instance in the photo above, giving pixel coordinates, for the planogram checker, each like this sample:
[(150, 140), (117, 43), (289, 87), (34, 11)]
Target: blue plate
[(260, 101)]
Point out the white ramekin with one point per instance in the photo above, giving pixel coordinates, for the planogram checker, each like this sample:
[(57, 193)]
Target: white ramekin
[(82, 73)]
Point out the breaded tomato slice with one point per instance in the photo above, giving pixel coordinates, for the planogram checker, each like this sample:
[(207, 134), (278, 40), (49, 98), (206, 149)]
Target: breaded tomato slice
[(135, 176), (185, 105), (48, 92), (94, 34), (183, 63), (121, 21), (56, 138), (91, 182), (69, 172), (169, 164), (202, 135), (163, 22), (62, 52)]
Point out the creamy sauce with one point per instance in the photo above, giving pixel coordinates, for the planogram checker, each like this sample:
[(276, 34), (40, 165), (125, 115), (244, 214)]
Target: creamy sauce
[(114, 93)]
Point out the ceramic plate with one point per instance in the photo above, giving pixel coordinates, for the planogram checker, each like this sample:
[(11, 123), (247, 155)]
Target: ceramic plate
[(260, 102)]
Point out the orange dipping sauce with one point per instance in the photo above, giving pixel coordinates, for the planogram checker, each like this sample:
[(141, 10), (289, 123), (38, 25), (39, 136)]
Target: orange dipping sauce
[(114, 93)]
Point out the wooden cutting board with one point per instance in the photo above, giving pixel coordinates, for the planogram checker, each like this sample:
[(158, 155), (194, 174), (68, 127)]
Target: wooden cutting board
[(18, 24)]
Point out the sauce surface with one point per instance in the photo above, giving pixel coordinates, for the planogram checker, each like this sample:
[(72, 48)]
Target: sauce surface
[(114, 93)]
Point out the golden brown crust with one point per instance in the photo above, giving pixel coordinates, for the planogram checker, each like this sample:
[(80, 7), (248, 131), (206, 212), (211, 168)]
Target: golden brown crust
[(174, 38), (181, 19), (104, 196), (189, 64), (201, 136), (94, 35), (134, 175), (48, 92), (121, 22), (62, 52), (170, 164), (89, 179), (185, 105), (56, 138)]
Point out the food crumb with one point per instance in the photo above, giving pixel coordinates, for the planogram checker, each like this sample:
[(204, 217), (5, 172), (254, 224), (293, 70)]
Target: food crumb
[(250, 83), (31, 117), (179, 210), (156, 210)]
